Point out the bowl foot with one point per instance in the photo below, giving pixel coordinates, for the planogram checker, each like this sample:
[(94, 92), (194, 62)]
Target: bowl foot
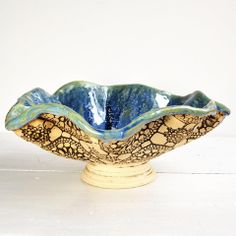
[(118, 176)]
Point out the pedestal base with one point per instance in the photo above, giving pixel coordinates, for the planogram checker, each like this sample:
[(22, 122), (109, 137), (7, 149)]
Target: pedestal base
[(118, 176)]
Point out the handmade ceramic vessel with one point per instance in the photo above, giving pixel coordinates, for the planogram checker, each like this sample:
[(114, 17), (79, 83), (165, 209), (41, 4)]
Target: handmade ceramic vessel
[(116, 129)]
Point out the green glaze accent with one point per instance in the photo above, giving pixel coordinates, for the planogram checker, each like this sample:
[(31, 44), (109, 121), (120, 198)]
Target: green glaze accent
[(36, 102)]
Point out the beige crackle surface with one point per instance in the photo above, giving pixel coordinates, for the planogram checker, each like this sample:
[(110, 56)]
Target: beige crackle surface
[(60, 136)]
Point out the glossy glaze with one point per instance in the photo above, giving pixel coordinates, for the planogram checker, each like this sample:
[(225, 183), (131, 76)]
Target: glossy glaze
[(108, 112)]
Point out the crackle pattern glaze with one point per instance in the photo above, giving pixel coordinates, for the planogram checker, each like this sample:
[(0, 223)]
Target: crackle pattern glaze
[(62, 137)]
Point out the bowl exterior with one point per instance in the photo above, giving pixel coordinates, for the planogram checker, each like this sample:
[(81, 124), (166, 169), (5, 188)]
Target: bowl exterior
[(62, 137)]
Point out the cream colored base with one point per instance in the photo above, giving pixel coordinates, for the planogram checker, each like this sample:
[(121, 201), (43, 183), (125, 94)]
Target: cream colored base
[(118, 176)]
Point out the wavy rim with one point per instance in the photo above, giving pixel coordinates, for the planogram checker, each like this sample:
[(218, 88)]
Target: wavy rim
[(135, 125)]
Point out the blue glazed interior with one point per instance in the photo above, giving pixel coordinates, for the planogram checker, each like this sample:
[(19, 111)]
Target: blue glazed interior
[(108, 112), (109, 108)]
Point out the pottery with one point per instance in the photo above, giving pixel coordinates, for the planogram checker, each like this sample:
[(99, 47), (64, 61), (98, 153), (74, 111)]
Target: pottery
[(116, 129)]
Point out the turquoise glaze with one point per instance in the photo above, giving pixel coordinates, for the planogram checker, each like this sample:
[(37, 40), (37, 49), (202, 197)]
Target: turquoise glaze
[(108, 112)]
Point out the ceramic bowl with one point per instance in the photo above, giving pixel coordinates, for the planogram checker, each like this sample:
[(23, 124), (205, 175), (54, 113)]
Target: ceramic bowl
[(116, 129)]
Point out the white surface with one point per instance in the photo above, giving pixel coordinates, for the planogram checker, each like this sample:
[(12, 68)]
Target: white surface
[(178, 46), (194, 194)]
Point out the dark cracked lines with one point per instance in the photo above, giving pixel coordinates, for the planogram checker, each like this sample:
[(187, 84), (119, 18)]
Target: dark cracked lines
[(60, 136)]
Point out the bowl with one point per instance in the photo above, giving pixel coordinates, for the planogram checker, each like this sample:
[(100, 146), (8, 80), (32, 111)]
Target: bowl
[(116, 129)]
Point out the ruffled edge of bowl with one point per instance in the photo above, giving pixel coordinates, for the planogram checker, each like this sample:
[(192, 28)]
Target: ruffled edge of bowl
[(36, 102)]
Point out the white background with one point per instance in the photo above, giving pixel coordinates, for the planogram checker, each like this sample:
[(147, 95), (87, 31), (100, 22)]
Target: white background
[(178, 46)]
